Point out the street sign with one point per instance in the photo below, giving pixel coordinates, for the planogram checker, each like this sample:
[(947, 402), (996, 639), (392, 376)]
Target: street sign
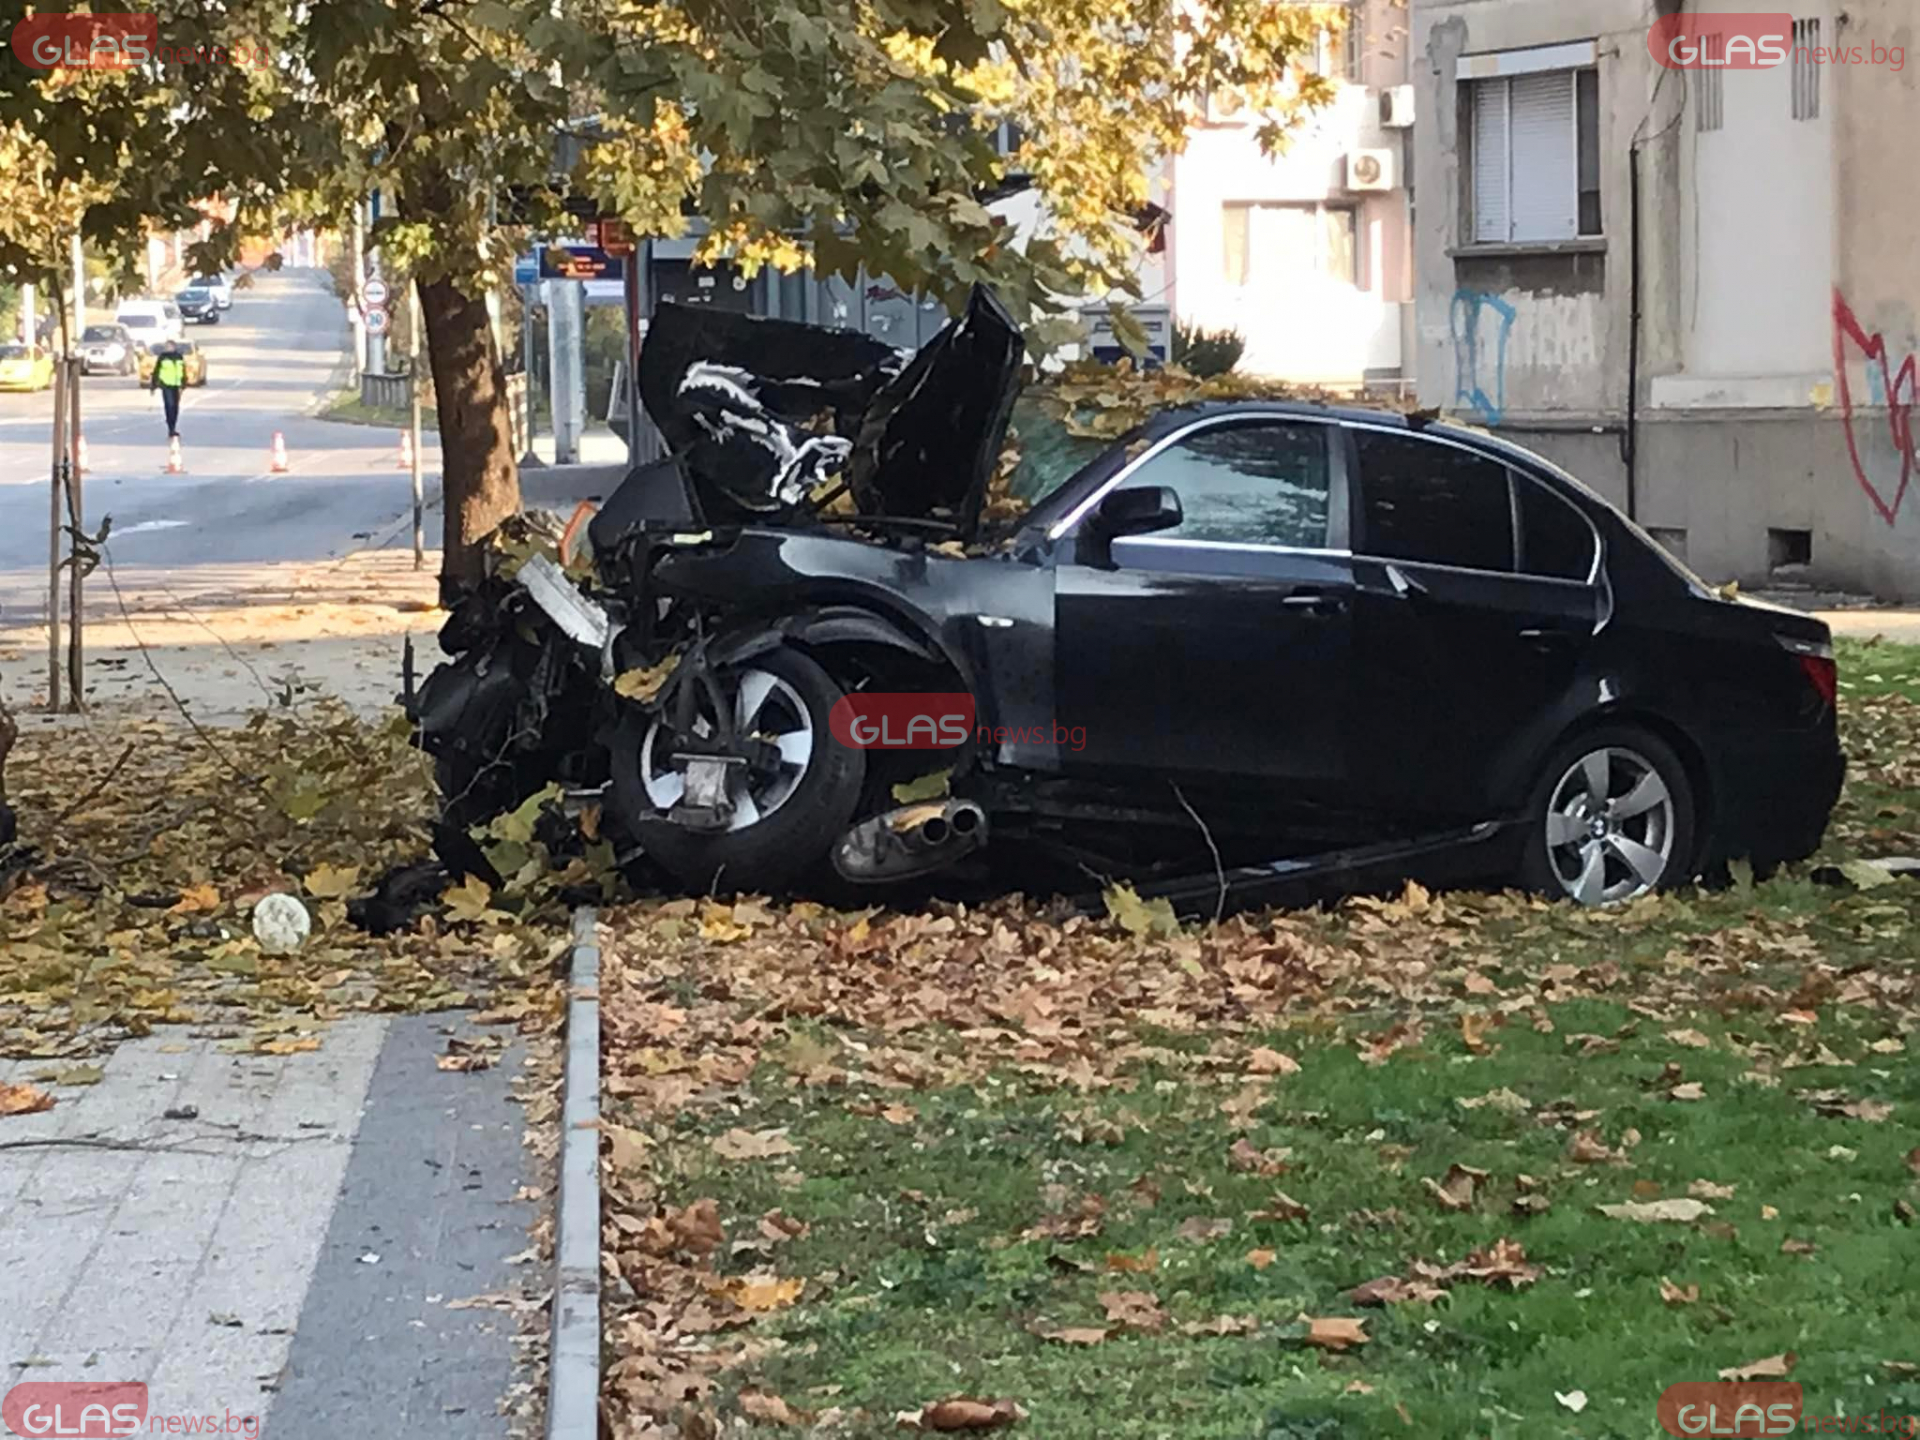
[(526, 270), (578, 262), (378, 321), (374, 293), (613, 236)]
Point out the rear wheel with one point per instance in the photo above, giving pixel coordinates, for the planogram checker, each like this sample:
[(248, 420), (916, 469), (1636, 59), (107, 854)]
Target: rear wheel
[(1611, 818), (788, 802)]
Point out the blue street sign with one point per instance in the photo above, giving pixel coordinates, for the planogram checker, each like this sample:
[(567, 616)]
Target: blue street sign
[(526, 270)]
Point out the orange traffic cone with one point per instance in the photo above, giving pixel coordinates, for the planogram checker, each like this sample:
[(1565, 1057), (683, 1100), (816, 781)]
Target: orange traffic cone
[(406, 450), (81, 450), (176, 464), (278, 464)]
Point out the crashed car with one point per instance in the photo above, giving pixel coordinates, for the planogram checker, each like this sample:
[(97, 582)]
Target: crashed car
[(1249, 645)]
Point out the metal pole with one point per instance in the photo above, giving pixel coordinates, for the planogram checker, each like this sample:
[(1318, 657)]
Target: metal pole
[(354, 311), (53, 542), (415, 315), (76, 516), (79, 287)]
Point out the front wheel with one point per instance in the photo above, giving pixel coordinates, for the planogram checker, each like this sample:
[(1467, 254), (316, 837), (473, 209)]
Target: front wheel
[(1612, 818), (789, 792)]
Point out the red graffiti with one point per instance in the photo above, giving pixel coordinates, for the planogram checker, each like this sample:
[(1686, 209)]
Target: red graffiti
[(1898, 388)]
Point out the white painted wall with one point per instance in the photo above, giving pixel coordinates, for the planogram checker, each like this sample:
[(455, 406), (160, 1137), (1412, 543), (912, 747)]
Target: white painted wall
[(1756, 236)]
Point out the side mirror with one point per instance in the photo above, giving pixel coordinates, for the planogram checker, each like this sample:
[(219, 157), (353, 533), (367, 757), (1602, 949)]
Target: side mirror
[(1139, 512)]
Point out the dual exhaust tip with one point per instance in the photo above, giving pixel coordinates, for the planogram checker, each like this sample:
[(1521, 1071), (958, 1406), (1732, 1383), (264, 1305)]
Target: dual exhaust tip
[(910, 840)]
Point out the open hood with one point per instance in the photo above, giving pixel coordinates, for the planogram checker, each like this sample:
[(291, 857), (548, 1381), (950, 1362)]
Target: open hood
[(760, 411)]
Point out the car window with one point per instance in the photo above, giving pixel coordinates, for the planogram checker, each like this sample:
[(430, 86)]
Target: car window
[(13, 352), (1555, 538), (1429, 502), (98, 333), (140, 322), (1252, 483)]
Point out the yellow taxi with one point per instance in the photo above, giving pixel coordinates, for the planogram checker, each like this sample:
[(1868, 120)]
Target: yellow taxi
[(25, 367), (195, 357)]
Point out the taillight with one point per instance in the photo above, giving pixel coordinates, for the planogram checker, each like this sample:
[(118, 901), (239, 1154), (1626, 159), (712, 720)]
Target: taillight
[(1822, 674)]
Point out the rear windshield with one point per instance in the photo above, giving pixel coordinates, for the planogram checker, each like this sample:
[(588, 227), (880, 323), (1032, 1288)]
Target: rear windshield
[(140, 321), (102, 332)]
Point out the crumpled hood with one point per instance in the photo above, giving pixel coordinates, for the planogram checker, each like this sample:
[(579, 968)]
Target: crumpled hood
[(760, 411)]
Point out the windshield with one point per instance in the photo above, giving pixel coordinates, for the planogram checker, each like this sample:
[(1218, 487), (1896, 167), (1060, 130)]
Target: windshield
[(193, 297), (140, 321), (101, 332), (13, 352)]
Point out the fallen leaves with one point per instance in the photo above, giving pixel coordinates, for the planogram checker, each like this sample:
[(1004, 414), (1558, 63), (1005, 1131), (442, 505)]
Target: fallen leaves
[(1673, 1296), (1501, 1265), (1455, 1189), (1203, 1229), (1133, 1310), (1335, 1333), (738, 1144), (23, 1100), (1675, 1211), (962, 1414), (1773, 1367)]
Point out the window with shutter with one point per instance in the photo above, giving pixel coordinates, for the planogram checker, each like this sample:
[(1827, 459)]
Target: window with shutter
[(1490, 161), (1534, 142)]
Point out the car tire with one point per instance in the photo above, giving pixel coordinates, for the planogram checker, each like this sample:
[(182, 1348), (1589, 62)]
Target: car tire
[(791, 844), (1638, 838)]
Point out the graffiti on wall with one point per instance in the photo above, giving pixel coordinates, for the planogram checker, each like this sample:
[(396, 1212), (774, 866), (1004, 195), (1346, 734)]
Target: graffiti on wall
[(1883, 470), (1481, 324)]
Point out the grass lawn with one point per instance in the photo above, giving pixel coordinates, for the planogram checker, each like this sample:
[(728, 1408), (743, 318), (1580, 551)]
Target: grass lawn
[(348, 408), (861, 1164)]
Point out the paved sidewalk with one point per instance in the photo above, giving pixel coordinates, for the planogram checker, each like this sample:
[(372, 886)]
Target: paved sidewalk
[(204, 1222)]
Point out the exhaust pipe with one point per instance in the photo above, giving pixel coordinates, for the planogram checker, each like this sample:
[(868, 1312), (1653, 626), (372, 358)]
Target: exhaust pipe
[(910, 840)]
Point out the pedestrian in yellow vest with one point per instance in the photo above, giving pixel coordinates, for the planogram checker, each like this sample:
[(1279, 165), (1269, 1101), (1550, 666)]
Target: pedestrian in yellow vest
[(169, 375)]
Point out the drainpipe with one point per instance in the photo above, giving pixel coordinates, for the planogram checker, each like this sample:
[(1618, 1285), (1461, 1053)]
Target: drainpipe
[(1631, 440)]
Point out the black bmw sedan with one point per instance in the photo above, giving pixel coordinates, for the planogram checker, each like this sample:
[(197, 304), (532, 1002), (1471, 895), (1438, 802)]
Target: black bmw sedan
[(1246, 635)]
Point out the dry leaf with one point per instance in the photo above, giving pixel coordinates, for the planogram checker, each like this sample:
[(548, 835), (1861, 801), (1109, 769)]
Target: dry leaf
[(1133, 1310), (758, 1405), (1774, 1367), (1683, 1212), (1201, 1229), (1271, 1062), (1455, 1190), (1791, 1246), (1075, 1335), (1692, 1039), (738, 1144), (1708, 1190), (762, 1292), (1335, 1333), (1692, 1090), (1502, 1099), (1243, 1157), (1261, 1259), (196, 900), (23, 1100), (1281, 1207), (1222, 1325), (332, 882), (1145, 1263), (962, 1414), (1395, 1290), (1677, 1295), (1574, 1400)]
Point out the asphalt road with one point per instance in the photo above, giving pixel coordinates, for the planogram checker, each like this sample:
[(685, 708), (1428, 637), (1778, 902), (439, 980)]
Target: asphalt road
[(272, 361)]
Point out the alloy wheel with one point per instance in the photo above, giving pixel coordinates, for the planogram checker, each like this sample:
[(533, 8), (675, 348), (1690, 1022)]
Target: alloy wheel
[(766, 708), (1610, 826)]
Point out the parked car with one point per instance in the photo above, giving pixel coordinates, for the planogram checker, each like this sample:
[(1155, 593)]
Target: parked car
[(1246, 635), (216, 285), (195, 357), (149, 321), (108, 347), (25, 367), (198, 306)]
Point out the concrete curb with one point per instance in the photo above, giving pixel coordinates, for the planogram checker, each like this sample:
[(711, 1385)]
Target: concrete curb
[(573, 1380)]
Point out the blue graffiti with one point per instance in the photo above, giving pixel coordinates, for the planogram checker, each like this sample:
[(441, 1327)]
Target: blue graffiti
[(1482, 392)]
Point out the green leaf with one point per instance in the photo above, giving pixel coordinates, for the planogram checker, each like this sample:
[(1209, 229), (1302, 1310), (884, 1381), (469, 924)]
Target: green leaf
[(1140, 917), (927, 787)]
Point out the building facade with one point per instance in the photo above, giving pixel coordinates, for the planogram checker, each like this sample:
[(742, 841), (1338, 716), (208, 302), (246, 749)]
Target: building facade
[(1691, 287), (1307, 254)]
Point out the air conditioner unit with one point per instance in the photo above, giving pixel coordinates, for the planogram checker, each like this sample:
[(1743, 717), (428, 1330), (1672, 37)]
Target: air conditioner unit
[(1370, 170), (1396, 107)]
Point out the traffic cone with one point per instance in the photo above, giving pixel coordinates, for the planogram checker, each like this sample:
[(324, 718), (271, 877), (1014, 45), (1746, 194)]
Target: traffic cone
[(176, 463), (278, 464), (85, 467), (406, 450)]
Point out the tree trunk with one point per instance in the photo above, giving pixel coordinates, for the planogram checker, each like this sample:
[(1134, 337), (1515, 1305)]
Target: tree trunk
[(9, 732), (480, 485)]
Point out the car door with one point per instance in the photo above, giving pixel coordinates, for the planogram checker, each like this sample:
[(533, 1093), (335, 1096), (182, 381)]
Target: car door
[(1214, 649), (1476, 598)]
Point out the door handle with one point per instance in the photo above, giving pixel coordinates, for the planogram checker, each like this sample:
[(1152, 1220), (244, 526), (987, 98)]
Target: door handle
[(1314, 602), (1549, 637)]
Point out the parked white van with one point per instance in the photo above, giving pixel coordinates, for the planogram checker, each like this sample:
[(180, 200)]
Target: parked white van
[(151, 321)]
